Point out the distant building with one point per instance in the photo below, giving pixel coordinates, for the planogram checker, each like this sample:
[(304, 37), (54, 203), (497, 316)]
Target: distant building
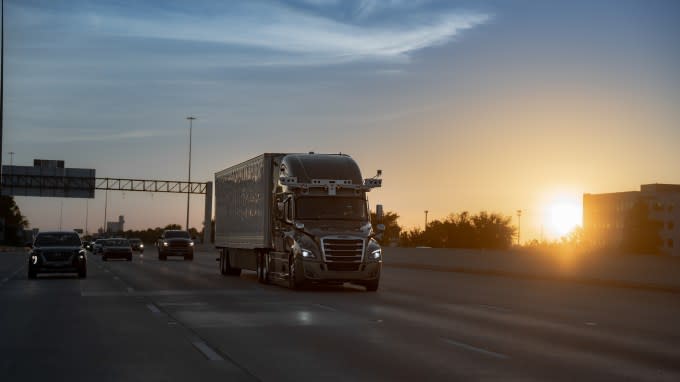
[(116, 227), (604, 216)]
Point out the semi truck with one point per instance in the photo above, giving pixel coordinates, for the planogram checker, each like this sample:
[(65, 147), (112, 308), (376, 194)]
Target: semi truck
[(298, 219)]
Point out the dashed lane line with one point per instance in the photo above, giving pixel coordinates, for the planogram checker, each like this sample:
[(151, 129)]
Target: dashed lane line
[(207, 351), (154, 309), (475, 349), (6, 279)]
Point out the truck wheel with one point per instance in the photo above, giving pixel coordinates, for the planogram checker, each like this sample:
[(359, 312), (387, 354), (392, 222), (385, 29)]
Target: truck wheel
[(82, 273), (263, 268), (223, 270), (227, 269), (296, 279), (32, 274)]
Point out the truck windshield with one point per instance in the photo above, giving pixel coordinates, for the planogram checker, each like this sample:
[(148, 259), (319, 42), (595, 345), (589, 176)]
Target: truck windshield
[(330, 208)]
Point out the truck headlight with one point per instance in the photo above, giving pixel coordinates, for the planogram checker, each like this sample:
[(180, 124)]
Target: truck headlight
[(377, 254), (191, 243), (307, 254), (165, 243), (141, 246), (34, 259)]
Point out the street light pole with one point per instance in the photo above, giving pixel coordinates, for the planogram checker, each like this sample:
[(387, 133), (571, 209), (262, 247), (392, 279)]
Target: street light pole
[(519, 224), (191, 125), (426, 211)]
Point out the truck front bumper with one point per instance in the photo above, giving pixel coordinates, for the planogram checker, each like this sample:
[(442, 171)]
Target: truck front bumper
[(329, 272)]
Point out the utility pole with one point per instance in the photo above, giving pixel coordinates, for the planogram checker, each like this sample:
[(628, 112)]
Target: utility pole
[(191, 125), (106, 205), (2, 78), (61, 211), (426, 211), (87, 213), (519, 224)]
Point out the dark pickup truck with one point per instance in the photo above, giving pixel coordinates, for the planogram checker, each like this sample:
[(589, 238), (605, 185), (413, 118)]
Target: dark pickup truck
[(175, 243)]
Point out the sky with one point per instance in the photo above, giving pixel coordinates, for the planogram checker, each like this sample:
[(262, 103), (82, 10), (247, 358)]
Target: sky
[(464, 105)]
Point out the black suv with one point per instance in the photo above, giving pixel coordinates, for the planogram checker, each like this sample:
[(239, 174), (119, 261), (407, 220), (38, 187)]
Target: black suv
[(57, 252)]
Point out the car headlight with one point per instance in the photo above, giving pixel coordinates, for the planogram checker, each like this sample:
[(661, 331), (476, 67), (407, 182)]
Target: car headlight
[(376, 254), (34, 259), (191, 243), (165, 243), (307, 254), (141, 246)]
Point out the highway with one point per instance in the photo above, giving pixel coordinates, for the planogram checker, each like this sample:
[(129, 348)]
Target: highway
[(177, 321)]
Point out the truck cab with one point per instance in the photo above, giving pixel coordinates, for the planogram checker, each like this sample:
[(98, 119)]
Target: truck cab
[(323, 221)]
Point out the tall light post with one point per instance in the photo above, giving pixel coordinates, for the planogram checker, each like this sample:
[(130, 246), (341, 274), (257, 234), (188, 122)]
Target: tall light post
[(191, 125), (426, 211), (519, 224)]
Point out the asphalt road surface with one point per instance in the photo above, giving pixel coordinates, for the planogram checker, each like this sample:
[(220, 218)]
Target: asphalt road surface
[(182, 321)]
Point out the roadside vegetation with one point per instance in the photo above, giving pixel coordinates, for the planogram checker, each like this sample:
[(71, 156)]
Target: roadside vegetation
[(12, 222)]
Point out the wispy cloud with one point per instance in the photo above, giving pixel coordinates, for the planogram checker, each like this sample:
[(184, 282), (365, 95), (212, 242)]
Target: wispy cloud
[(97, 136), (276, 30)]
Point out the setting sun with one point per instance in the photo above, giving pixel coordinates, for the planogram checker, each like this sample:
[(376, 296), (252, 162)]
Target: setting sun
[(564, 216)]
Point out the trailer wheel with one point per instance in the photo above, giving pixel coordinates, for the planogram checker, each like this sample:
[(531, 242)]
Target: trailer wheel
[(263, 268), (226, 268), (223, 270)]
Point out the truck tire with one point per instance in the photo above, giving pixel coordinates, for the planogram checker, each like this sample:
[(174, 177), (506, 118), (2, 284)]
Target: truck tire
[(226, 268), (263, 268), (296, 276), (32, 274), (82, 273), (223, 270)]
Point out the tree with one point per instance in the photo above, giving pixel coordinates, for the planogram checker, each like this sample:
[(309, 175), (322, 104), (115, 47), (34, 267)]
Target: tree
[(484, 230), (392, 229), (14, 221)]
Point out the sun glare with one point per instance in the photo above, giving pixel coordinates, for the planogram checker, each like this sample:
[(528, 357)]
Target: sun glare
[(564, 216)]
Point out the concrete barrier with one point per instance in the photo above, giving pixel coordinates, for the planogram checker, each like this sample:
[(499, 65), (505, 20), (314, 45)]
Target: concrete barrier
[(632, 271)]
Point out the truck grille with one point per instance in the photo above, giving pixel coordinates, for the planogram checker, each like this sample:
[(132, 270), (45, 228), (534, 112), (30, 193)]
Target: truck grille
[(349, 251), (351, 267)]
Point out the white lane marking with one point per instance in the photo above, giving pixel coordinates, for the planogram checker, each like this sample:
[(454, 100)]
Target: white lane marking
[(475, 349), (153, 308), (6, 279), (207, 351), (325, 307), (182, 303), (493, 307), (591, 323)]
